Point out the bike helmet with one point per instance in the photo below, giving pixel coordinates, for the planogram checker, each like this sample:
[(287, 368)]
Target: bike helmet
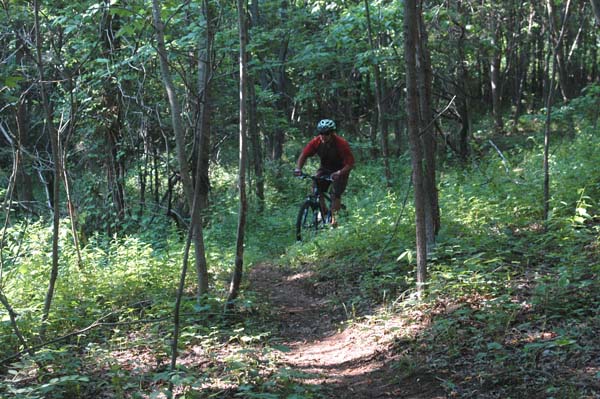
[(325, 126)]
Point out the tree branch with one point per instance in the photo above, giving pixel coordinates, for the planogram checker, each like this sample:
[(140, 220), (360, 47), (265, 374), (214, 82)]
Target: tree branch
[(96, 324)]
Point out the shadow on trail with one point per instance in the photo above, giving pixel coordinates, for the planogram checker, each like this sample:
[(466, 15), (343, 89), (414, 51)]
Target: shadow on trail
[(345, 362)]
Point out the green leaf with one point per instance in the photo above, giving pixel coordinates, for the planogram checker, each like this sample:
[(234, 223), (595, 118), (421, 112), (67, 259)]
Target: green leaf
[(12, 81), (494, 346), (565, 341)]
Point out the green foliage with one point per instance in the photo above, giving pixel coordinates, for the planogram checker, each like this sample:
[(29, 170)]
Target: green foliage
[(518, 294), (508, 292), (513, 293)]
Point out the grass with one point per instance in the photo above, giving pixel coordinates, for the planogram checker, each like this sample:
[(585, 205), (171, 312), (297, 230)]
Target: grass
[(512, 308)]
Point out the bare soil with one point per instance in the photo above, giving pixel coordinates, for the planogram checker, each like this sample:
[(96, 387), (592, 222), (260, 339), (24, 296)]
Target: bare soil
[(348, 360)]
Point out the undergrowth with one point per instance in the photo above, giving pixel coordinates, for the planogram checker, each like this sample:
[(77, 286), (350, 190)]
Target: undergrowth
[(513, 301), (512, 305)]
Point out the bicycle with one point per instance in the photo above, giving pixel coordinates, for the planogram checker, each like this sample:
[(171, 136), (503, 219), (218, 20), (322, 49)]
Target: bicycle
[(310, 220)]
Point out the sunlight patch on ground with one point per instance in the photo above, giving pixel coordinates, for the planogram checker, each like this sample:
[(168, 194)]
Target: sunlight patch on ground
[(300, 276)]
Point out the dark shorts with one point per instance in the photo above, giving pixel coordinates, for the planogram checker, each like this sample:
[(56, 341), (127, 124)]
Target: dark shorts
[(337, 187)]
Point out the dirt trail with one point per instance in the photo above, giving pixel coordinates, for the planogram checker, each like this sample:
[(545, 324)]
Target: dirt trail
[(353, 362)]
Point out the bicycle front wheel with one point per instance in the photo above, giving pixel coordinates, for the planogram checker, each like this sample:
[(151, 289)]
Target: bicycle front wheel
[(307, 223)]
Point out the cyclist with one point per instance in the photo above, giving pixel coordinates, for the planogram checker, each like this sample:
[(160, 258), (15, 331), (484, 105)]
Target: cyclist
[(336, 161)]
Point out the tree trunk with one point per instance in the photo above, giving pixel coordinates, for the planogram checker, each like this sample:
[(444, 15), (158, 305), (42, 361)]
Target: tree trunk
[(281, 81), (463, 100), (145, 172), (495, 76), (537, 84), (13, 322), (257, 158), (399, 129), (412, 110), (379, 101), (557, 44), (524, 59), (57, 172), (546, 165), (203, 129), (596, 8), (156, 176), (253, 129), (114, 165), (24, 179), (236, 278), (73, 215), (427, 133), (113, 120), (178, 130), (461, 91)]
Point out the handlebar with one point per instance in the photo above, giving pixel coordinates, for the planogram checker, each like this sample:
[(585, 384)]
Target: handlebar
[(306, 176)]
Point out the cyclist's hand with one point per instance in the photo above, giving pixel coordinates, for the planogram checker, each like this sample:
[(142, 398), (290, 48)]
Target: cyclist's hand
[(297, 172)]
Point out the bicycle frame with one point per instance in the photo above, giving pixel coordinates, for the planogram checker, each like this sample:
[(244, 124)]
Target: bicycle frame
[(316, 194), (310, 218)]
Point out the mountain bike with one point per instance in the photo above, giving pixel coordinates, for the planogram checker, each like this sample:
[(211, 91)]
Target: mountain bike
[(310, 220)]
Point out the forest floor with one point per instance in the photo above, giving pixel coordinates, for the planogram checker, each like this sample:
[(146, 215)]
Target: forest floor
[(347, 356), (303, 338)]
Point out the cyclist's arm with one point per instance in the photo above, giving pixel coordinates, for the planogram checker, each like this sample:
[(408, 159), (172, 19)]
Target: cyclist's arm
[(301, 161), (308, 151), (348, 157)]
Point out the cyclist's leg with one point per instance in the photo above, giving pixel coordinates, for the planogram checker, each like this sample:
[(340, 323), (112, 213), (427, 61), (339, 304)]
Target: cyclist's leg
[(339, 186), (323, 187), (335, 207)]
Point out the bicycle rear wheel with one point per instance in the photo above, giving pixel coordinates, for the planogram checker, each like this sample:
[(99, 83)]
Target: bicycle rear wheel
[(307, 222)]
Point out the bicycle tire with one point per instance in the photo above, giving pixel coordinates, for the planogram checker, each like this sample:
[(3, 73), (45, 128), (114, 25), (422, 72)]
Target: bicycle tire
[(307, 223)]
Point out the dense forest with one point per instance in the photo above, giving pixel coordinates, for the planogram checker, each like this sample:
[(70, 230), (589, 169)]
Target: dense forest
[(148, 245)]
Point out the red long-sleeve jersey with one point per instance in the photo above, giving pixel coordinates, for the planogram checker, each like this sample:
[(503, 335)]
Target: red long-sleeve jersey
[(334, 155)]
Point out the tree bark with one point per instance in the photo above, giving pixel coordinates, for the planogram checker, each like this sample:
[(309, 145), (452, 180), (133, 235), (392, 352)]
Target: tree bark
[(253, 129), (13, 321), (178, 130), (462, 86), (524, 59), (557, 44), (596, 8), (546, 165), (203, 128), (112, 129), (57, 172), (412, 110), (381, 114), (24, 179), (281, 79), (495, 61), (178, 299), (236, 278), (427, 132), (257, 157)]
